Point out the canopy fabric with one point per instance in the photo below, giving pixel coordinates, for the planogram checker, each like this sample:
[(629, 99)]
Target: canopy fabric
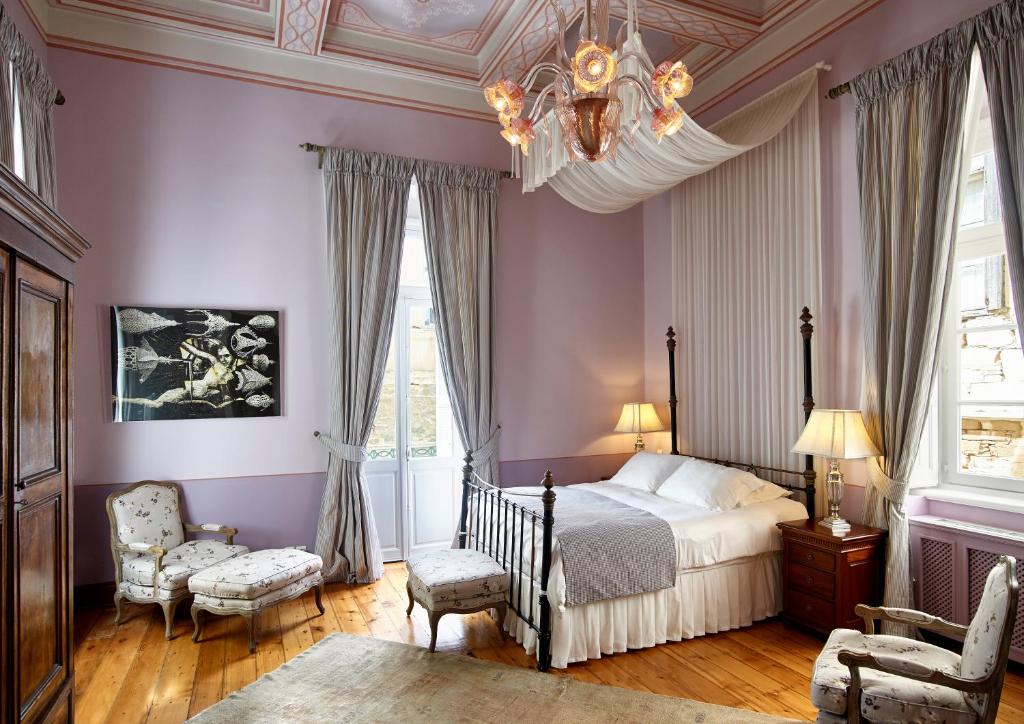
[(644, 168)]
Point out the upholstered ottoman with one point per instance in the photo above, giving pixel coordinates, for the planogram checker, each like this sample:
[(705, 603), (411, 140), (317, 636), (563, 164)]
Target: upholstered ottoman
[(250, 583), (456, 581)]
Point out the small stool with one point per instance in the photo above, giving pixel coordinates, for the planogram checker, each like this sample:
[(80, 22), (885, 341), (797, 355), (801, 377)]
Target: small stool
[(456, 581), (250, 583)]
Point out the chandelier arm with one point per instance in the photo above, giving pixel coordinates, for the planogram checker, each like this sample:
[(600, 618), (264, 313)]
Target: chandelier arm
[(645, 89), (538, 105), (645, 61), (562, 30), (535, 71)]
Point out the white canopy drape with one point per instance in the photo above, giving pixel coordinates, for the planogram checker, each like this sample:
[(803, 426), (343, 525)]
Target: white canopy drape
[(644, 168)]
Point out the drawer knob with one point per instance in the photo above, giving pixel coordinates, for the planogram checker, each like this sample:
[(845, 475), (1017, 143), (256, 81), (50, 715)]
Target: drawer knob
[(810, 556), (810, 580)]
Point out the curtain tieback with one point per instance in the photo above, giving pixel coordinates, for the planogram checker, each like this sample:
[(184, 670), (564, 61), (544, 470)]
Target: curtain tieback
[(489, 449), (345, 451), (894, 491)]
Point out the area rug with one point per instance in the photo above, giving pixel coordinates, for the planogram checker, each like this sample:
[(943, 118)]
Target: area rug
[(347, 678)]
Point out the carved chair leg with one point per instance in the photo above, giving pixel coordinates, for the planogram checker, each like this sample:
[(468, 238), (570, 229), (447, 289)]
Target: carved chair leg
[(853, 697), (197, 626), (318, 594), (502, 611), (408, 589), (435, 616), (250, 620), (169, 608), (118, 598)]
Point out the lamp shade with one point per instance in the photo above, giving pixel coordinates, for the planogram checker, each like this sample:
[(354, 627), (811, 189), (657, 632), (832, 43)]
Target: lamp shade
[(639, 417), (836, 434)]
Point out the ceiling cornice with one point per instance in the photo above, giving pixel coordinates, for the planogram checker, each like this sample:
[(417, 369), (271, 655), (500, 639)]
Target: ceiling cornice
[(727, 47)]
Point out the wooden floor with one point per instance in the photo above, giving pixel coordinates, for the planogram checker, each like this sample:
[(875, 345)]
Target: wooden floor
[(131, 673)]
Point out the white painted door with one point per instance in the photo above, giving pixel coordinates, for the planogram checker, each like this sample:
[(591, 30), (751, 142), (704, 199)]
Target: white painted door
[(414, 466)]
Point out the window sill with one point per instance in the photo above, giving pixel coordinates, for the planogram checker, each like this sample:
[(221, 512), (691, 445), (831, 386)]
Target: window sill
[(991, 499)]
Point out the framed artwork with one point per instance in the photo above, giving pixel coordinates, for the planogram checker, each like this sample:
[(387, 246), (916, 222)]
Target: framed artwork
[(181, 364)]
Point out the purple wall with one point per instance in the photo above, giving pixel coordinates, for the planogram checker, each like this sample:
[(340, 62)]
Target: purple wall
[(192, 190)]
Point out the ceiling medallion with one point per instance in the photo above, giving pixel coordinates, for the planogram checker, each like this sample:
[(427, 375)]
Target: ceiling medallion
[(587, 89), (415, 13)]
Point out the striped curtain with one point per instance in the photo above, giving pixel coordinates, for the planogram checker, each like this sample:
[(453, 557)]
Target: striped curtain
[(366, 196), (36, 95), (460, 217), (1000, 37), (746, 240), (910, 148)]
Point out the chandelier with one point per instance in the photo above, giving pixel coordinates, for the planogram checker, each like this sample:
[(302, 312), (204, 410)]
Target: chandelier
[(588, 90)]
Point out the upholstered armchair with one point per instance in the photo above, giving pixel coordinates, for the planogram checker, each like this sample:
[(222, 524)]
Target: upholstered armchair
[(864, 676), (152, 560)]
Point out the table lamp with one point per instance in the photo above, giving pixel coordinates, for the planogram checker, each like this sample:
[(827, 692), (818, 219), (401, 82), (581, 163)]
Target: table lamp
[(639, 417), (836, 435)]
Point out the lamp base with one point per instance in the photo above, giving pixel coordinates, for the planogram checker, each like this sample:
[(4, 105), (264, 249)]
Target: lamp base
[(639, 444), (837, 525)]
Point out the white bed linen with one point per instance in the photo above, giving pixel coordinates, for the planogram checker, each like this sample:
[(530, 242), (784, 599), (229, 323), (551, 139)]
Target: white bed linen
[(728, 575)]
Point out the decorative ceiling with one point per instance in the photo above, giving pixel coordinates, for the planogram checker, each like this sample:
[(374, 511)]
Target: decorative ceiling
[(430, 54)]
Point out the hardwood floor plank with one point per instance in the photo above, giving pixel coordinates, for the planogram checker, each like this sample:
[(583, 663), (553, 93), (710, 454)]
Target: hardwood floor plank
[(135, 697), (113, 668), (766, 667)]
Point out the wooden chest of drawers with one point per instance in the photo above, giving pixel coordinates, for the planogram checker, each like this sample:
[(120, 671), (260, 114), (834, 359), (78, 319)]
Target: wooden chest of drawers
[(825, 576)]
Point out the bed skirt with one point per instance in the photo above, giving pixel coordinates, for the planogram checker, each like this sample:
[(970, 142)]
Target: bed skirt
[(703, 601)]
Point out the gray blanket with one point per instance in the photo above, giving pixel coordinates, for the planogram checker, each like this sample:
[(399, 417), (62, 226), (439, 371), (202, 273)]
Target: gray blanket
[(609, 549)]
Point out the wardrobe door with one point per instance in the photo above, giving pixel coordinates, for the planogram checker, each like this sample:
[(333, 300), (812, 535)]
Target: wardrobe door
[(39, 554), (6, 490)]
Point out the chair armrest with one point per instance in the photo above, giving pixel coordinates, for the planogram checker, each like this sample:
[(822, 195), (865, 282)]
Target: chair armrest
[(228, 532), (909, 669), (156, 551), (870, 614)]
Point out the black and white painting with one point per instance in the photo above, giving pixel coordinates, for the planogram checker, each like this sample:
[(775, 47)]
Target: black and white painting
[(174, 364)]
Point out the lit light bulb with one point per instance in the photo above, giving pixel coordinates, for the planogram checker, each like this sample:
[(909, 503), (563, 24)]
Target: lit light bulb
[(671, 81), (594, 67), (520, 132), (506, 97), (666, 121)]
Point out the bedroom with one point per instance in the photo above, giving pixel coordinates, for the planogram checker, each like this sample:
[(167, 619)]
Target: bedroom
[(190, 252)]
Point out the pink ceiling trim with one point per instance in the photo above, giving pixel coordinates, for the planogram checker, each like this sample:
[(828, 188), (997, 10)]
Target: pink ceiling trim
[(104, 7), (275, 81), (347, 14), (301, 24), (331, 49)]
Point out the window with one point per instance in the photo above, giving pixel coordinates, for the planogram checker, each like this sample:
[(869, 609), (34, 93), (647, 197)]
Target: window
[(19, 138), (980, 425)]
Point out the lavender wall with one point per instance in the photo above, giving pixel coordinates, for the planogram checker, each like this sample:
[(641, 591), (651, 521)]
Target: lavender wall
[(193, 191)]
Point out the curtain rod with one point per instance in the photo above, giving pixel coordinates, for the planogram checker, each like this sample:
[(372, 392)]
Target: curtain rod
[(311, 147), (840, 90)]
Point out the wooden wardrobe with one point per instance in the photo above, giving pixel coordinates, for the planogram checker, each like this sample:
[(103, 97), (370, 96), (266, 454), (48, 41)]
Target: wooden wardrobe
[(38, 251)]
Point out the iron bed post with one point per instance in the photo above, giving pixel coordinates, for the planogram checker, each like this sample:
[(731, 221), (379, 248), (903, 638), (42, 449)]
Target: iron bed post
[(544, 635), (673, 402), (806, 330), (467, 479)]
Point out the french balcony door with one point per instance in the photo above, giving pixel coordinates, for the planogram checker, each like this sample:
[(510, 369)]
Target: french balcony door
[(413, 470)]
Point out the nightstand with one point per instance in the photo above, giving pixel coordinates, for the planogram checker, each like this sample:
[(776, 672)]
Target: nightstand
[(826, 576)]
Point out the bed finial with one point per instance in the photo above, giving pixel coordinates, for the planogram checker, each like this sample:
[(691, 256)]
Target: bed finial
[(673, 401), (467, 480), (671, 341)]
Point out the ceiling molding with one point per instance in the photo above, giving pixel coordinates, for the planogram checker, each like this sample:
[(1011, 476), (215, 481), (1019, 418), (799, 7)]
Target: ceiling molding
[(387, 52)]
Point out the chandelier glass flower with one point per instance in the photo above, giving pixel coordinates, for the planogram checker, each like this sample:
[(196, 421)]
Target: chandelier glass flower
[(587, 90)]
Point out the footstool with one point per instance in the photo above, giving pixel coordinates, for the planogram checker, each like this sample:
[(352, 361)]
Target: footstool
[(252, 582), (456, 581)]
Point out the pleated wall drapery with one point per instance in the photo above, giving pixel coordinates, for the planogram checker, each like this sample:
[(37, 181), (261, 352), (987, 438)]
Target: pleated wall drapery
[(910, 148), (746, 239), (366, 196), (646, 168), (36, 95), (459, 205), (999, 32)]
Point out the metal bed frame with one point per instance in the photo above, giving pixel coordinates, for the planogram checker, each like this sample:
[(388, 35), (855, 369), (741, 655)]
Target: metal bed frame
[(490, 519)]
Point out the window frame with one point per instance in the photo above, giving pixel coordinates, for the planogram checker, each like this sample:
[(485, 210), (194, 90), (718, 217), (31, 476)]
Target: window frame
[(973, 243)]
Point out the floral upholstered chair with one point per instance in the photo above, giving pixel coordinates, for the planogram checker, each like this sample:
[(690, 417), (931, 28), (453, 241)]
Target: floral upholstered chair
[(152, 560), (863, 676)]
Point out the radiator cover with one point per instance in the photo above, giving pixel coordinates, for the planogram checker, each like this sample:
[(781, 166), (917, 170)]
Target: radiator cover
[(950, 561)]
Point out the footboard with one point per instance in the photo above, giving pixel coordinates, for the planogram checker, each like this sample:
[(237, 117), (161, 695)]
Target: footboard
[(506, 531)]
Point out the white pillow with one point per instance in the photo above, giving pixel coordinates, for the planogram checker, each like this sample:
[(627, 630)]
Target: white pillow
[(767, 491), (707, 485), (647, 471)]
